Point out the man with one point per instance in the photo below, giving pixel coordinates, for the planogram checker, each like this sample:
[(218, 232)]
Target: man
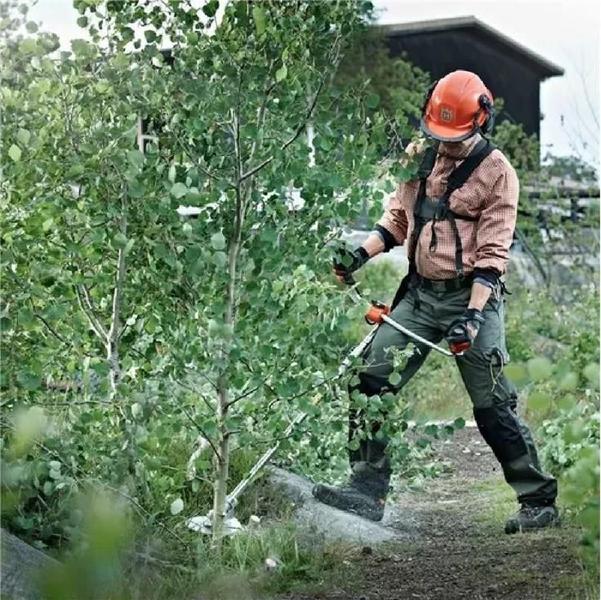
[(457, 221)]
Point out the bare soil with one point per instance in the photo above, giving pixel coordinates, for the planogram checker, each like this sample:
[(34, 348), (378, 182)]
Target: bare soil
[(458, 548)]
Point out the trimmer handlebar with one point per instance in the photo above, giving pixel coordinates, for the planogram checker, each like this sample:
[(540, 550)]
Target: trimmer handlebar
[(376, 312), (379, 313)]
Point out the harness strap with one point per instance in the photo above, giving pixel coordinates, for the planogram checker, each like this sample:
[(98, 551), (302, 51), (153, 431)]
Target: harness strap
[(462, 173), (456, 179), (424, 171)]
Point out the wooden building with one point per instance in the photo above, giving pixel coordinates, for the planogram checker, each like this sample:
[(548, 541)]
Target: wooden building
[(510, 70)]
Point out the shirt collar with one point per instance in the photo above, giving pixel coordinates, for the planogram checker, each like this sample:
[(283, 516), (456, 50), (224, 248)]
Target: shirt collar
[(458, 149)]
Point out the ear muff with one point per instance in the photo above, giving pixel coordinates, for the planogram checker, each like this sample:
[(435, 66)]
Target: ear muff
[(487, 106)]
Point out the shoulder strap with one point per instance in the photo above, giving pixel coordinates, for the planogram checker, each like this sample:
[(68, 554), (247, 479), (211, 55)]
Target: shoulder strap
[(425, 168), (462, 173), (428, 160)]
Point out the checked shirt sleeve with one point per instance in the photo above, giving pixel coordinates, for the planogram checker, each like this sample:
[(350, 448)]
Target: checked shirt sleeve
[(394, 219), (494, 234)]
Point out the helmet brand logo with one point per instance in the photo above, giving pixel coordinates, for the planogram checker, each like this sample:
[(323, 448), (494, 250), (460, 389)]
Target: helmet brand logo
[(446, 114)]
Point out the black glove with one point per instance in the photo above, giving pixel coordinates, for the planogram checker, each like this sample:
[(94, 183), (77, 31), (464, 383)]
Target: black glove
[(346, 262), (463, 331)]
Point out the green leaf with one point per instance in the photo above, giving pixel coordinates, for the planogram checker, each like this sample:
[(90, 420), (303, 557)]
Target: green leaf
[(517, 373), (23, 136), (127, 33), (459, 423), (569, 381), (136, 188), (538, 401), (566, 402), (281, 73), (26, 317), (218, 241), (178, 190), (120, 241), (395, 379), (372, 100), (81, 48), (15, 153), (136, 158), (28, 46), (150, 35), (259, 19), (220, 259), (82, 21), (177, 506), (539, 368), (75, 171), (210, 8), (31, 26), (591, 372), (431, 429)]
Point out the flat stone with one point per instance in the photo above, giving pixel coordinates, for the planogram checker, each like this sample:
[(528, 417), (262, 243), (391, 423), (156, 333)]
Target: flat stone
[(19, 568)]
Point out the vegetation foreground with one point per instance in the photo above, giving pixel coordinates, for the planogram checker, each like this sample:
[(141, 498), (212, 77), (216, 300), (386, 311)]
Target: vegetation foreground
[(147, 361)]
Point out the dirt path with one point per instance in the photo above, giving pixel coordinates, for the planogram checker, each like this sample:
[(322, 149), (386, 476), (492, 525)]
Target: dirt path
[(459, 549)]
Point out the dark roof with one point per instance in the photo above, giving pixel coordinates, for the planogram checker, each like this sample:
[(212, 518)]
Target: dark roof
[(545, 67)]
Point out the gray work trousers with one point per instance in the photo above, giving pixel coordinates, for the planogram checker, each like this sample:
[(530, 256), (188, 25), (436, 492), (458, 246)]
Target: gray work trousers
[(494, 398)]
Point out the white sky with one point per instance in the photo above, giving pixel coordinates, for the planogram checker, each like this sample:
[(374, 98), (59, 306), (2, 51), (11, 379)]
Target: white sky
[(566, 32)]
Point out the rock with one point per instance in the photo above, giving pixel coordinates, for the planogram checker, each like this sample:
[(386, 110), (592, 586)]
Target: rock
[(204, 524), (329, 522), (19, 568), (272, 564), (253, 522)]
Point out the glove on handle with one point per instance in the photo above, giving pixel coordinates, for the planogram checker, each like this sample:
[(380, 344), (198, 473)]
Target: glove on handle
[(346, 262), (460, 333)]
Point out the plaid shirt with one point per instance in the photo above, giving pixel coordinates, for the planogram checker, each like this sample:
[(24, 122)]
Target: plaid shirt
[(491, 194)]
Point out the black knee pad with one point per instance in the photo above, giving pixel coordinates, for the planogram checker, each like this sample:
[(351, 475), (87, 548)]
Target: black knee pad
[(500, 429)]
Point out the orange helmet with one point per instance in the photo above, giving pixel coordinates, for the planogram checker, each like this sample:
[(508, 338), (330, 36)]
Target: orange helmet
[(456, 107)]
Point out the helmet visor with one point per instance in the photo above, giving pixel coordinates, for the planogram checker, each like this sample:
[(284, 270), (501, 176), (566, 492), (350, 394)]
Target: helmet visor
[(444, 133)]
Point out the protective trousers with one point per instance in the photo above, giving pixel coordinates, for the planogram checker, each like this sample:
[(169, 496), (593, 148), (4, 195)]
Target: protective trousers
[(429, 313)]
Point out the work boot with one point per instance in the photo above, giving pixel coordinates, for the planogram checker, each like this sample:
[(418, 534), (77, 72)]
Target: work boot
[(364, 494), (531, 516)]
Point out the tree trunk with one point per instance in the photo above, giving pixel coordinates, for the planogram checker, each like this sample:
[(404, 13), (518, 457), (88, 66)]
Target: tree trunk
[(222, 460), (112, 343), (222, 465)]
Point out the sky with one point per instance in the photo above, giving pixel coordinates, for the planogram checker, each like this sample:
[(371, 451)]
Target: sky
[(565, 32)]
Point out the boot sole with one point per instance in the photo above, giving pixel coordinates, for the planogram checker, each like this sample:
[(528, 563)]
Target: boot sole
[(521, 529)]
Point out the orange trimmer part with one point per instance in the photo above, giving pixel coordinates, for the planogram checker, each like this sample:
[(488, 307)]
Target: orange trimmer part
[(460, 347), (376, 311)]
